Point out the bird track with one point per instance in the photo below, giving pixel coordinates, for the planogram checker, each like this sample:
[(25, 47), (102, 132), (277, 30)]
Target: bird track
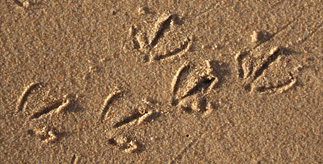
[(141, 42), (252, 72)]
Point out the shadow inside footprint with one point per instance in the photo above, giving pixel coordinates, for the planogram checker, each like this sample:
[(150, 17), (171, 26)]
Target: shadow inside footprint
[(221, 71)]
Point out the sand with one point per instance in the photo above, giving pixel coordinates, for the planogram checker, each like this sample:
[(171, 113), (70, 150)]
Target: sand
[(161, 81)]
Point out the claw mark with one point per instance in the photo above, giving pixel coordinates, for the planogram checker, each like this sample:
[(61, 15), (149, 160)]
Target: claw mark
[(23, 97), (47, 109), (161, 26), (73, 159), (139, 40), (175, 81), (107, 103), (176, 52)]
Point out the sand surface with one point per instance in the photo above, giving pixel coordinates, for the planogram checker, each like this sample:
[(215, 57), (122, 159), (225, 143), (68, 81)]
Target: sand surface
[(161, 81)]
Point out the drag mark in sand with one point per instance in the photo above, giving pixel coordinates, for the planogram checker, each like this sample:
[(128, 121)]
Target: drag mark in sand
[(190, 145)]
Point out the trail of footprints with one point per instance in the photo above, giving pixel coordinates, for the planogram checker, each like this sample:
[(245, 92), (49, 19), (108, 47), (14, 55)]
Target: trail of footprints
[(190, 87)]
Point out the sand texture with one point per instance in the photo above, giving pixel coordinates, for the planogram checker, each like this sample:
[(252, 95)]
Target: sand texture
[(161, 81)]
